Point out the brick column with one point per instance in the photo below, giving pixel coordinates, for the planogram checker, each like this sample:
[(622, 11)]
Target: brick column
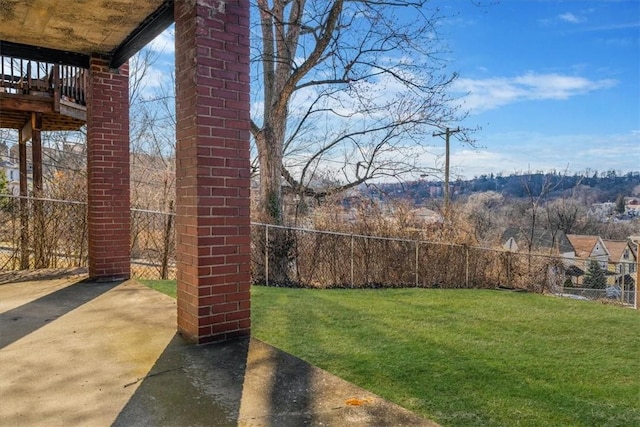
[(109, 213), (212, 222)]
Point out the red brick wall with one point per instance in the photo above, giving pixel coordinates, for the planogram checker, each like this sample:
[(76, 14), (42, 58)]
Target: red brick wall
[(108, 171), (212, 223)]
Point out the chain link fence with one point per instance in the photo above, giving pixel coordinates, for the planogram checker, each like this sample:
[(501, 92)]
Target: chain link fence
[(624, 294), (326, 259), (37, 233), (153, 244), (46, 233), (618, 285), (42, 233)]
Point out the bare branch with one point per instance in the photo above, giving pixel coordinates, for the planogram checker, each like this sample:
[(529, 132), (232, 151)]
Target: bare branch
[(350, 90)]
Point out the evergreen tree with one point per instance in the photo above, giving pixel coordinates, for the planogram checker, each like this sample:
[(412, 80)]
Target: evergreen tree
[(620, 204), (595, 277), (5, 202), (4, 182)]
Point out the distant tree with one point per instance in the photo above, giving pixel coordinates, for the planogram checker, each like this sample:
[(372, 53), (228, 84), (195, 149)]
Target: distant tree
[(564, 215), (537, 188), (483, 212), (567, 214), (595, 277), (619, 230), (320, 70), (4, 182), (620, 208), (5, 202)]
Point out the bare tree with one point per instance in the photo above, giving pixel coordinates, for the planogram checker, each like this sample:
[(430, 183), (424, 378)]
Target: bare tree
[(537, 187), (349, 89), (483, 212), (152, 130), (153, 142)]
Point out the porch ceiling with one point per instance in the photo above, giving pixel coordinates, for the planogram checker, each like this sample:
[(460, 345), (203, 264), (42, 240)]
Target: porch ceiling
[(115, 27)]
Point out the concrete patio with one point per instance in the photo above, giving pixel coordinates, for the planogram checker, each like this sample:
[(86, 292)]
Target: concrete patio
[(74, 352)]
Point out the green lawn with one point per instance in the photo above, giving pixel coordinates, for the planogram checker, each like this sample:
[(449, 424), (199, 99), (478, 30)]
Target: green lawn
[(165, 286), (467, 357)]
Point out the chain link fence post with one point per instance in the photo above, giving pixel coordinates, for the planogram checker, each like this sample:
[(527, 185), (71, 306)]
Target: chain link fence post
[(352, 263), (266, 254), (417, 263), (509, 269), (636, 299), (466, 266)]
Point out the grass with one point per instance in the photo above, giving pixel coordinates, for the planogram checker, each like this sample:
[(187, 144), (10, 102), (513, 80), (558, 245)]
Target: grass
[(165, 286), (467, 357)]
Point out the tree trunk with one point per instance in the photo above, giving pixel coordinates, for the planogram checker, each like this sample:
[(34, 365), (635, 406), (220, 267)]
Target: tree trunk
[(270, 154), (280, 244)]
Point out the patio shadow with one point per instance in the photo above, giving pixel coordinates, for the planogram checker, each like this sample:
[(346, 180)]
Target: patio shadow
[(27, 318), (190, 385)]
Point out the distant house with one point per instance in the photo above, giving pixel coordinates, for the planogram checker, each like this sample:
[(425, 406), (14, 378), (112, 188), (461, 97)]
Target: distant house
[(632, 206), (601, 211), (616, 257), (635, 244), (622, 262), (586, 249), (589, 248), (427, 215), (12, 172), (10, 169), (543, 241)]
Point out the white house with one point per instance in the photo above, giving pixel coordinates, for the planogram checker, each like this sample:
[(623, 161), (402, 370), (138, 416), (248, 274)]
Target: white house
[(10, 169), (588, 248)]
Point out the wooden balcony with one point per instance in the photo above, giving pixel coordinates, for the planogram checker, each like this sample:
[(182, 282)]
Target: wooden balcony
[(57, 91)]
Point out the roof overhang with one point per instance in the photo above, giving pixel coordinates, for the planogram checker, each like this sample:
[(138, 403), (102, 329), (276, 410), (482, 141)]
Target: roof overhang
[(70, 31)]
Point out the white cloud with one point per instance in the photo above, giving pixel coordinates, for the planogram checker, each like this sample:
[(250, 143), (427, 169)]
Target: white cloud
[(521, 151), (164, 42), (468, 162), (571, 18), (257, 108), (154, 78), (491, 93)]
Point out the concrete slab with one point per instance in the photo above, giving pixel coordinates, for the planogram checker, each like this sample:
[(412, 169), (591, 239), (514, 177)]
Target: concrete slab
[(93, 354), (66, 356)]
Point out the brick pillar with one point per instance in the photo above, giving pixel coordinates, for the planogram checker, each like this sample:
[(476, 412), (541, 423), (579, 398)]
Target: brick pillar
[(108, 170), (212, 222)]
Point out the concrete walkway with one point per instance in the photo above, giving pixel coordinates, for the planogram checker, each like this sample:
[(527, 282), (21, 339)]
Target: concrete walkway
[(78, 353)]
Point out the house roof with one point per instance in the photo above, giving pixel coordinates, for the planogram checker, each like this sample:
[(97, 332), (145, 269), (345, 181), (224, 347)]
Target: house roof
[(583, 244), (7, 164), (574, 270), (616, 249), (427, 214), (542, 239)]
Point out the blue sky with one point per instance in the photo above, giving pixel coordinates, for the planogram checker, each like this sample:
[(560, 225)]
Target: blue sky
[(554, 84)]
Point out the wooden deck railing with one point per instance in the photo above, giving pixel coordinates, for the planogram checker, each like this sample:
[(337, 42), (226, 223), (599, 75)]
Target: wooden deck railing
[(28, 77)]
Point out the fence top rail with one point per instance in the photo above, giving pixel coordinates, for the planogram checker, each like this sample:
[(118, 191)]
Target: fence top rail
[(364, 236), (44, 199), (149, 211)]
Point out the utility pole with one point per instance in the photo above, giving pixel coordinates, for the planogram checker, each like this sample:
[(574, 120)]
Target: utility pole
[(447, 133)]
